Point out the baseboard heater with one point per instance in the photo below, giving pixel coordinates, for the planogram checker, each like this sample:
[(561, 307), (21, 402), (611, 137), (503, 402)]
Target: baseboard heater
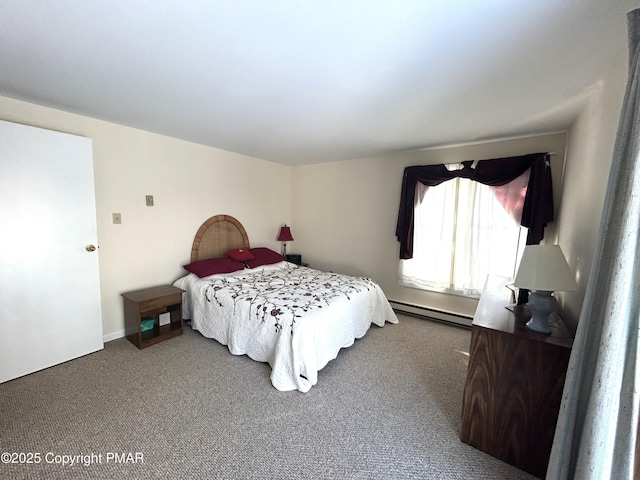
[(432, 314)]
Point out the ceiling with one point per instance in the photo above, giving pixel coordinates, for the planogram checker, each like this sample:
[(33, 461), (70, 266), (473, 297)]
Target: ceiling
[(305, 81)]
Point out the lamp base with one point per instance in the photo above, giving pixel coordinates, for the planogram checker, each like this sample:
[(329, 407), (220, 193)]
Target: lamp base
[(542, 304)]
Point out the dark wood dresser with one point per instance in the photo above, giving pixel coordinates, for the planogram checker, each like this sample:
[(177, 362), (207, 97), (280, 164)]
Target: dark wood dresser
[(514, 383)]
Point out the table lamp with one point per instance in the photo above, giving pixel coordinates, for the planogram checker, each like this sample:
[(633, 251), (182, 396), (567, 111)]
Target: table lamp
[(285, 236), (544, 270)]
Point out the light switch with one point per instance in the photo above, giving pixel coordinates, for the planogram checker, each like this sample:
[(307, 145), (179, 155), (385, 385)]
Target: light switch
[(149, 200), (117, 219)]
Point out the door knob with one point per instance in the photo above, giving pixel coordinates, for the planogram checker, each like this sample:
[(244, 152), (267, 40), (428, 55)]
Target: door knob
[(90, 248)]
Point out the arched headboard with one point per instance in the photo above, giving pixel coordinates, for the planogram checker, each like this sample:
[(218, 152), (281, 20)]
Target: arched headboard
[(218, 235)]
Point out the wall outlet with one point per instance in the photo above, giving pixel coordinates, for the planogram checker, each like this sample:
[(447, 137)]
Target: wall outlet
[(117, 219), (149, 200)]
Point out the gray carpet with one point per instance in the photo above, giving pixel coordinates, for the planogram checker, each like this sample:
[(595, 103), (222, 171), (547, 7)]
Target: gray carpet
[(386, 408)]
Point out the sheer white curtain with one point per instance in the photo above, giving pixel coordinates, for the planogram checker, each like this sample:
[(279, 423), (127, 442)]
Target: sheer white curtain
[(433, 236), (463, 231)]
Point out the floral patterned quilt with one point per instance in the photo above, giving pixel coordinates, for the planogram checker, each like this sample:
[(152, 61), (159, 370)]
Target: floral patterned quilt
[(295, 318)]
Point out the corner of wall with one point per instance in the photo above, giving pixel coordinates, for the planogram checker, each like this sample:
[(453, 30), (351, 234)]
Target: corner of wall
[(589, 154)]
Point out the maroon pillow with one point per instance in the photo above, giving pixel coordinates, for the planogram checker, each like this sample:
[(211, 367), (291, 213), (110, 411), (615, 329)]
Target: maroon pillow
[(211, 266), (240, 254), (263, 256)]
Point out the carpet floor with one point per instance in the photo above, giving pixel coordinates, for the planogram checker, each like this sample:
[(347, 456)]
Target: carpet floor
[(386, 408)]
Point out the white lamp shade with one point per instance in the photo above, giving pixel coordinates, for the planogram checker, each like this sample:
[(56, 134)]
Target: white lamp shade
[(544, 268)]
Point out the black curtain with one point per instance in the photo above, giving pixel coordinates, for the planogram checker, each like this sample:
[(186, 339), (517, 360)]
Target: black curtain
[(538, 203)]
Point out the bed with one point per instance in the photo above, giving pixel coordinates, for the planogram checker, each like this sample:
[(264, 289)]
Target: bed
[(292, 317)]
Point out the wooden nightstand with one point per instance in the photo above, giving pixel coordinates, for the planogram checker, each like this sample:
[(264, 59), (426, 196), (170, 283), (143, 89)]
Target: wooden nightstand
[(152, 303), (514, 383)]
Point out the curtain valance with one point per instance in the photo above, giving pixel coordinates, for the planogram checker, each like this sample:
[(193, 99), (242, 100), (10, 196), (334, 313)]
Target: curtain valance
[(538, 203)]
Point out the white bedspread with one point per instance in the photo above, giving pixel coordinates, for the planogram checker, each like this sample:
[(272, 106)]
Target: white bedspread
[(295, 318)]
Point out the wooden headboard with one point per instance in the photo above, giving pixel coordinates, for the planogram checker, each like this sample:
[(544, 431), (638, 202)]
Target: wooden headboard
[(217, 236)]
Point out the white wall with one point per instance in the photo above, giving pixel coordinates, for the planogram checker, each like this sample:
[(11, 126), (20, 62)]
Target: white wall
[(344, 213), (590, 151), (189, 182)]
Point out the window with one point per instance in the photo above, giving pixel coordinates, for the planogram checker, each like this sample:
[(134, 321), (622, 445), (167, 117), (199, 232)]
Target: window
[(464, 231)]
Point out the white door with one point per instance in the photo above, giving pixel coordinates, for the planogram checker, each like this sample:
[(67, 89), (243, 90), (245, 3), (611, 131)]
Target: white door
[(49, 283)]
